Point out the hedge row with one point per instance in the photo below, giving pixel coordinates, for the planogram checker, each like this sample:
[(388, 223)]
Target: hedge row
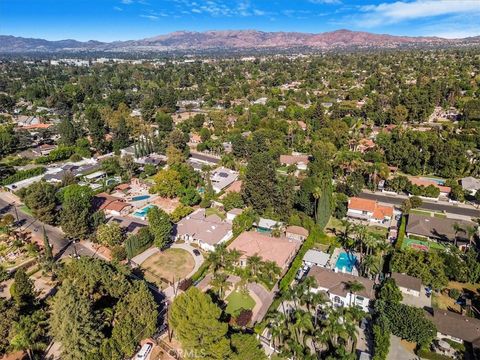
[(23, 174)]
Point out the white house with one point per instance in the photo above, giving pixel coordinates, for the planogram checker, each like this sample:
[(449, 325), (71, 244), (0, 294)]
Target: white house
[(206, 231), (408, 285), (470, 185), (369, 210), (316, 258), (222, 177), (336, 285)]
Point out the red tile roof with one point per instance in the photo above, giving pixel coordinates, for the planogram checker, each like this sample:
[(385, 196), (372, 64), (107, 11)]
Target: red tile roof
[(379, 211)]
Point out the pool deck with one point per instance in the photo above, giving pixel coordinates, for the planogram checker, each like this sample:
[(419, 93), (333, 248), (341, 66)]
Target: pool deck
[(334, 258)]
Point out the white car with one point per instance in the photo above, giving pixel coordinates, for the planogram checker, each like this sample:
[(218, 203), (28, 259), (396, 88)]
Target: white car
[(144, 351)]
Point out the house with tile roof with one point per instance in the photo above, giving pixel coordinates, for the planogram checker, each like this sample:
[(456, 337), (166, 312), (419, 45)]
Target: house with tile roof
[(111, 205), (299, 160), (206, 231), (279, 250), (336, 286), (369, 210), (444, 190)]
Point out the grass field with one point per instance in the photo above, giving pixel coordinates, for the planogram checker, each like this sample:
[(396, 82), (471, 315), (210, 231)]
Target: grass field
[(168, 264), (26, 210), (238, 300)]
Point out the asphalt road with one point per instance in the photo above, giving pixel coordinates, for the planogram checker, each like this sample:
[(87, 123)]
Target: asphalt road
[(61, 245), (426, 205)]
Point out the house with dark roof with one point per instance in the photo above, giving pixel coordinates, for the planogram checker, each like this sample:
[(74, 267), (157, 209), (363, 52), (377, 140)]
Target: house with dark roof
[(456, 327), (336, 286), (408, 285), (439, 229)]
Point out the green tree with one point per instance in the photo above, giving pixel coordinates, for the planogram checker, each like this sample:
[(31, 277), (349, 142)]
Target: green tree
[(30, 333), (195, 320), (110, 234), (135, 318), (9, 316), (167, 183), (246, 346), (260, 182), (74, 324), (40, 197), (76, 211), (160, 226), (22, 290), (390, 292)]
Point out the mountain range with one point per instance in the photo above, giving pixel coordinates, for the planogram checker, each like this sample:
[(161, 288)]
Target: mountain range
[(232, 40)]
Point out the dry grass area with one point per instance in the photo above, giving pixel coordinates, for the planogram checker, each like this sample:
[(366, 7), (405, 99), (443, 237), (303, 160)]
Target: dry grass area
[(169, 264), (168, 205), (410, 346), (445, 302)]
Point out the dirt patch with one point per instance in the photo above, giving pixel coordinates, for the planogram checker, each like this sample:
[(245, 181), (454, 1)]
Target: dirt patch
[(168, 205), (168, 265)]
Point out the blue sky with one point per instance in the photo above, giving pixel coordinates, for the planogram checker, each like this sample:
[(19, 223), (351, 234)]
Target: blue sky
[(108, 20)]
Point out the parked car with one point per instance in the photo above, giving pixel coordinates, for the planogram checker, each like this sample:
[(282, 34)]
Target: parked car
[(144, 351), (196, 252)]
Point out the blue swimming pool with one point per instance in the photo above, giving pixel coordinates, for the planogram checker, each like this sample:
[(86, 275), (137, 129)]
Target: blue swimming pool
[(142, 213), (140, 197), (346, 262), (438, 181)]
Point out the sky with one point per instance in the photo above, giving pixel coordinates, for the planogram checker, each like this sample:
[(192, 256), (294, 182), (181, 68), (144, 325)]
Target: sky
[(110, 20)]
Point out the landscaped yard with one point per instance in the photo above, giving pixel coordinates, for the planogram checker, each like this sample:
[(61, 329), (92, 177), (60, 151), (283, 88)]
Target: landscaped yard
[(445, 302), (169, 264), (428, 213), (238, 300)]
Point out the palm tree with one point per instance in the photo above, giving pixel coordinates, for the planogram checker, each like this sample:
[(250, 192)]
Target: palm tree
[(218, 258), (254, 263), (271, 270), (317, 193), (220, 284), (471, 231), (457, 228), (354, 287)]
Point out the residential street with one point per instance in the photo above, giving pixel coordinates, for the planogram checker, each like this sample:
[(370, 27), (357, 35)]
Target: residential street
[(427, 205), (55, 235)]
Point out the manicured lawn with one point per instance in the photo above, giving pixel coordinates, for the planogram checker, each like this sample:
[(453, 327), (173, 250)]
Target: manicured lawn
[(428, 213), (238, 300), (26, 210), (169, 264)]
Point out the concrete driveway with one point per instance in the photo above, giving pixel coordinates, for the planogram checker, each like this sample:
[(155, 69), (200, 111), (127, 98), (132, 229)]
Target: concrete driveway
[(398, 351)]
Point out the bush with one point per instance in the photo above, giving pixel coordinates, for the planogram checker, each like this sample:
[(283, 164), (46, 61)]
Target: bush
[(401, 232), (23, 174), (60, 153), (381, 339), (119, 253), (138, 243), (180, 212), (427, 354), (454, 293), (244, 317)]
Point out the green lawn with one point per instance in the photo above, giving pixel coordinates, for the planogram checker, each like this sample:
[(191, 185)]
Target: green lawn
[(238, 300), (26, 210), (428, 213)]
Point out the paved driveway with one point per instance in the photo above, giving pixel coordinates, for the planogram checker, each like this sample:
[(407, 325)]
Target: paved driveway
[(421, 301), (398, 351)]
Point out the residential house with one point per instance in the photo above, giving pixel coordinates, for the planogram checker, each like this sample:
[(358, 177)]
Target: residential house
[(365, 145), (43, 150), (232, 214), (267, 225), (297, 233), (369, 210), (470, 184), (111, 205), (206, 231), (316, 258), (299, 160), (444, 190), (130, 225), (279, 250), (456, 327), (204, 159), (408, 285), (222, 178), (439, 229), (336, 286), (195, 138)]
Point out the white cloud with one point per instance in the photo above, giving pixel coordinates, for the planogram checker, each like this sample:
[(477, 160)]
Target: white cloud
[(150, 17), (126, 2), (328, 2), (117, 8), (389, 13)]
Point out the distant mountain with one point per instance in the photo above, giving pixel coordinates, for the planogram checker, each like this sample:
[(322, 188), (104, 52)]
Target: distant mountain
[(231, 40)]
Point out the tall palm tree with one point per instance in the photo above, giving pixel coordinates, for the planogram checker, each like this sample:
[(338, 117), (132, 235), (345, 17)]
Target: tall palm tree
[(317, 193), (254, 263), (220, 284), (353, 288), (471, 231), (457, 228)]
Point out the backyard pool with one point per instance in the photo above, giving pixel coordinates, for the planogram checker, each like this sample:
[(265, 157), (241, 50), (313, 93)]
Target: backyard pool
[(438, 181), (140, 197), (345, 262), (142, 213)]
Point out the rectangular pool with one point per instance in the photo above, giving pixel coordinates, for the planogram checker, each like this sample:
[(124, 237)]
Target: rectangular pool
[(346, 262), (140, 197)]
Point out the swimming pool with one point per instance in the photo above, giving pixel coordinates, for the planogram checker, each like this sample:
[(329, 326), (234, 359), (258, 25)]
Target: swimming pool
[(142, 213), (345, 262), (438, 181), (140, 197)]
